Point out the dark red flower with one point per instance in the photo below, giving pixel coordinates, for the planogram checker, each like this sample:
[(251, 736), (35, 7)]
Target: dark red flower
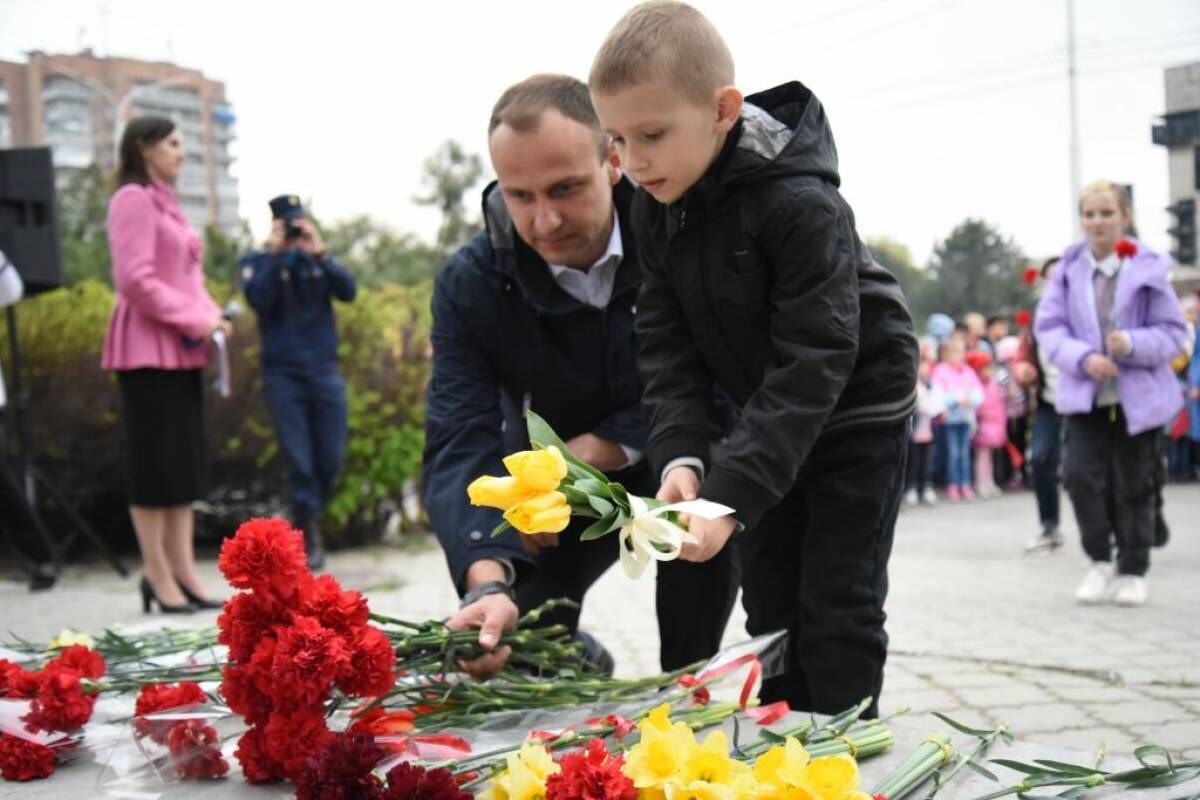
[(410, 782), (1126, 248), (196, 751), (22, 760), (370, 668), (60, 703), (247, 618), (307, 660), (291, 738), (257, 766), (155, 697), (16, 681), (1030, 275), (86, 662), (342, 771), (340, 610), (1023, 318), (593, 774), (264, 555)]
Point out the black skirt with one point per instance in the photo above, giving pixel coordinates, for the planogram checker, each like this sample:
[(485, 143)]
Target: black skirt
[(165, 458)]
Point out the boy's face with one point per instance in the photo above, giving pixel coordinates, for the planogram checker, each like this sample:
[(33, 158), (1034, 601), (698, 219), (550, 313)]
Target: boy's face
[(557, 188), (666, 140)]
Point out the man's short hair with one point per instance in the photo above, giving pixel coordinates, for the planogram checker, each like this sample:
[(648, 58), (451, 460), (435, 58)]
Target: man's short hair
[(663, 39), (522, 105)]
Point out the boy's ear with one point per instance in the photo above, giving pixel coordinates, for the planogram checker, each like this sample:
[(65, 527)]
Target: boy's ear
[(729, 108)]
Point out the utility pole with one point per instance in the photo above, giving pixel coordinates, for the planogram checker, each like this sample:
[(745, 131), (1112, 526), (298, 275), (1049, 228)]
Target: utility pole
[(1073, 91)]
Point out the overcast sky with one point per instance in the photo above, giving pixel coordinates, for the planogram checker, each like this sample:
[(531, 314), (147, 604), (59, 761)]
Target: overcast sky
[(941, 110)]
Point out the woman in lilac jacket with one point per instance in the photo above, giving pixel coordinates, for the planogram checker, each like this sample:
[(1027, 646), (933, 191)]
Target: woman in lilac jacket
[(157, 344), (1110, 321)]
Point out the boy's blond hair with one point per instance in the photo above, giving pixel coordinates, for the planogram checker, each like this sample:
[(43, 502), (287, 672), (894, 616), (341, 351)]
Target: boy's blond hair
[(663, 39)]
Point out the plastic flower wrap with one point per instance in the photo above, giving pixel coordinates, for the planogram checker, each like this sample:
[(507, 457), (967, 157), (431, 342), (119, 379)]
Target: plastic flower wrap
[(547, 486)]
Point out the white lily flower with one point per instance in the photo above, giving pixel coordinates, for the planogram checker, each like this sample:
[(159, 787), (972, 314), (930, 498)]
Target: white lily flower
[(648, 537)]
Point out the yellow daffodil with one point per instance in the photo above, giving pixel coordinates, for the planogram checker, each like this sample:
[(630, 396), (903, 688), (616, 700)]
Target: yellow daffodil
[(539, 470), (832, 777), (67, 637), (656, 760), (710, 762), (502, 493), (525, 775), (543, 513), (783, 765)]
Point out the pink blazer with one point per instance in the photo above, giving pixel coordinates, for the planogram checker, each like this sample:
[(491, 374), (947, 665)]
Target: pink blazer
[(163, 311)]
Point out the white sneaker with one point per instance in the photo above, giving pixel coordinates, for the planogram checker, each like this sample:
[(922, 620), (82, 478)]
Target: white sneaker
[(910, 498), (928, 497), (1130, 590), (1094, 588)]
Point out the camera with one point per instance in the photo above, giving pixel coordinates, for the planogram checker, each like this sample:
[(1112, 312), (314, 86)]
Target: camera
[(292, 231)]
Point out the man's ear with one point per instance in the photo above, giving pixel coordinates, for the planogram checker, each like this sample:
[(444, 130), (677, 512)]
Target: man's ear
[(612, 164), (729, 108)]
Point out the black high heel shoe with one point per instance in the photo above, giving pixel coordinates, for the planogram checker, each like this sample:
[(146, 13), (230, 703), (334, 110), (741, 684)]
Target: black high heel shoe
[(149, 598), (200, 602)]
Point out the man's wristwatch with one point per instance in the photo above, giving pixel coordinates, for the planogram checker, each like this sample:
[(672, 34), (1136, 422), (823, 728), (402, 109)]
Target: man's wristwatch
[(486, 588)]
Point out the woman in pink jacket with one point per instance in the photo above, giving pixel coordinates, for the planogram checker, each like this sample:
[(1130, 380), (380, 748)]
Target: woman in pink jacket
[(157, 344)]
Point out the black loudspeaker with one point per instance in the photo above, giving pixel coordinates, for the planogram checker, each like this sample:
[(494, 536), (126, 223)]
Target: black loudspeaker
[(28, 219)]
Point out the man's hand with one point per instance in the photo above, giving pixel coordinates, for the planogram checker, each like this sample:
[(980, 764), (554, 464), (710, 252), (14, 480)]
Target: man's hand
[(277, 240), (681, 483), (1100, 368), (534, 543), (310, 240), (492, 614), (1119, 343), (223, 325), (603, 454), (710, 534)]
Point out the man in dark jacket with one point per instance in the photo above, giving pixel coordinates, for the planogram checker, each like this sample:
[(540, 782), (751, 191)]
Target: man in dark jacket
[(291, 285), (537, 313)]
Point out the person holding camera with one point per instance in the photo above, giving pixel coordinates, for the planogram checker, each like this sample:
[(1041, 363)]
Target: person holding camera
[(290, 284)]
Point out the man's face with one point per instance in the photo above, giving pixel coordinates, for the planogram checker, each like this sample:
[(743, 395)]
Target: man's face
[(666, 140), (557, 188)]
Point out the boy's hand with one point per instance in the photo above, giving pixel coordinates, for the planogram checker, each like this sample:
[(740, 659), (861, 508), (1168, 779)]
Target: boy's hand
[(1100, 368), (681, 483), (710, 534)]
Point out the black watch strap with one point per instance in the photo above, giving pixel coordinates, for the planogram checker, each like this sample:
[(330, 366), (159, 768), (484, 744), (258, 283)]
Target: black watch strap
[(486, 588)]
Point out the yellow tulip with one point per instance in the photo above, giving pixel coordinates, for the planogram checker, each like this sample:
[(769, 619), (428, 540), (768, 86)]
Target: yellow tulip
[(538, 470), (543, 513), (502, 493)]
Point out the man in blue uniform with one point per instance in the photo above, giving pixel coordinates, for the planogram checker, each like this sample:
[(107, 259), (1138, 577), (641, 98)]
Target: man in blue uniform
[(291, 284), (536, 312)]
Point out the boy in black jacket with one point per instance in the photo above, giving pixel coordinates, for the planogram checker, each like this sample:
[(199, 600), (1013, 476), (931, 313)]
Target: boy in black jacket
[(754, 278)]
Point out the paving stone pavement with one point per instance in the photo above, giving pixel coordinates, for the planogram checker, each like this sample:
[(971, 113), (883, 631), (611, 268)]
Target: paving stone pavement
[(979, 630)]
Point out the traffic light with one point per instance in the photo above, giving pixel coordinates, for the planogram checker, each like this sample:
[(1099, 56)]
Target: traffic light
[(1183, 229)]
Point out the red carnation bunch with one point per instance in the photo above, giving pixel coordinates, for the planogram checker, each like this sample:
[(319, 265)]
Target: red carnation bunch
[(593, 774), (59, 703), (343, 770), (194, 746), (1023, 318), (292, 638), (1030, 275), (1126, 248)]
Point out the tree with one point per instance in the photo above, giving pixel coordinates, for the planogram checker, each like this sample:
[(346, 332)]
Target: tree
[(450, 173), (977, 269), (897, 259), (377, 255), (82, 228)]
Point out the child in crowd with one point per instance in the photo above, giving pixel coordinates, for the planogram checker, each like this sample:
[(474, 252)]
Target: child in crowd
[(930, 406), (1013, 376), (962, 394), (992, 430)]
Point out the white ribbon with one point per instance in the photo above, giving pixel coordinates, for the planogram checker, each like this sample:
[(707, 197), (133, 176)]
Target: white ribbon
[(647, 529)]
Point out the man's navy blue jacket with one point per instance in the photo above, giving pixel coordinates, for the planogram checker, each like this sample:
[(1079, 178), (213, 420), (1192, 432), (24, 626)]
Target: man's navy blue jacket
[(291, 292), (506, 337)]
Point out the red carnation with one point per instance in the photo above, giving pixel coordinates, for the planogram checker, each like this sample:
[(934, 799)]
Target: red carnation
[(243, 696), (1030, 275), (339, 610), (593, 774), (308, 658), (377, 722), (342, 771), (21, 760), (16, 681), (1023, 318), (265, 555), (372, 659), (1126, 248), (257, 766), (87, 663), (155, 697), (196, 751), (410, 782), (292, 738), (60, 704), (247, 618)]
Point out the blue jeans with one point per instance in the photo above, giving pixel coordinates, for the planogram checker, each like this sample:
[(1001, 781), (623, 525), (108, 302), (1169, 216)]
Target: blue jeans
[(957, 436), (1045, 453)]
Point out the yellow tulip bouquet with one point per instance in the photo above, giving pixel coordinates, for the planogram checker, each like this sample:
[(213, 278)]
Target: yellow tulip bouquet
[(547, 486)]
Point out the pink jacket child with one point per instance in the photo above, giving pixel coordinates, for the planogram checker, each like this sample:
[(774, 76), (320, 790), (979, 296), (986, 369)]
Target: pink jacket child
[(163, 313), (991, 415)]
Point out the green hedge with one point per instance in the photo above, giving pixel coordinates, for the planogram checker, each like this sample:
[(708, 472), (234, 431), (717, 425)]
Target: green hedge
[(74, 411)]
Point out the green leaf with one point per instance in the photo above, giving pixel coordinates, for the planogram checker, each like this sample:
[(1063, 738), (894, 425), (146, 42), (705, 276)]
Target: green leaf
[(1170, 779), (602, 506), (501, 528), (958, 726), (542, 435), (1060, 766), (1075, 791), (1146, 751), (597, 529), (982, 770), (593, 487), (771, 736), (1019, 767), (575, 497)]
